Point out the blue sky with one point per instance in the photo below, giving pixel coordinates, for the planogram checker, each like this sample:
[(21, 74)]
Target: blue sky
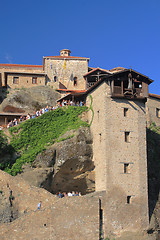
[(110, 32)]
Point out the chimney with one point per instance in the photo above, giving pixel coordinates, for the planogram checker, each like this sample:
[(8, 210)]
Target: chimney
[(65, 52)]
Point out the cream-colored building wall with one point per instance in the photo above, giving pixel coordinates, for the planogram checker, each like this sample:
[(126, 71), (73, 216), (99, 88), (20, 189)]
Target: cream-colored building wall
[(24, 81), (6, 69), (74, 68), (110, 152), (121, 185), (98, 129), (126, 152), (151, 105)]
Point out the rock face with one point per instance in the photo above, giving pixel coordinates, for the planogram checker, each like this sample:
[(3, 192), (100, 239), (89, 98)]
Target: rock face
[(63, 219), (62, 167), (65, 166), (18, 197), (153, 154), (27, 100), (7, 212)]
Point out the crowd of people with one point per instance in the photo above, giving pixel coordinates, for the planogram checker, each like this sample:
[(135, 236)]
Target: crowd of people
[(69, 194), (42, 111), (71, 103), (62, 195)]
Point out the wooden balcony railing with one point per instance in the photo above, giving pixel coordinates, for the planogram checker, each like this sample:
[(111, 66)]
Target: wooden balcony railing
[(135, 92)]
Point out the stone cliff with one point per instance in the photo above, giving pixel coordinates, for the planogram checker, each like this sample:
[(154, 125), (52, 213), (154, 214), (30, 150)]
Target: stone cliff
[(64, 166), (27, 100), (57, 219), (69, 218)]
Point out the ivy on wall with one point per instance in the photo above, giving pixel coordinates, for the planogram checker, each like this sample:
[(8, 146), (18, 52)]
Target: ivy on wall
[(91, 108)]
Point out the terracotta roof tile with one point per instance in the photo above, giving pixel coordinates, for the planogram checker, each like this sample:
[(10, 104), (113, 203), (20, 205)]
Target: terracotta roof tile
[(154, 95), (117, 69), (67, 90), (95, 70), (19, 65), (65, 57)]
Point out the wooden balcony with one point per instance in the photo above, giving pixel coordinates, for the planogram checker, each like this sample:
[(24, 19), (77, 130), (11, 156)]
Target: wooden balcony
[(127, 93)]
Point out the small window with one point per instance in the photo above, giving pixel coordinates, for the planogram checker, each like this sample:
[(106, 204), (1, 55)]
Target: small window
[(137, 85), (55, 78), (117, 83), (126, 135), (128, 199), (75, 81), (15, 80), (126, 168), (125, 112), (34, 80), (98, 114), (158, 112)]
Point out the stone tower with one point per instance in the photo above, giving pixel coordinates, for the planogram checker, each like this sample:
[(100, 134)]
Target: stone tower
[(65, 71), (119, 148), (65, 52)]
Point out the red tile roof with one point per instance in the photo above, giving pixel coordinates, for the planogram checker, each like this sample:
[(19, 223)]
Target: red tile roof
[(66, 57), (95, 69), (154, 95), (116, 69), (19, 65), (76, 91)]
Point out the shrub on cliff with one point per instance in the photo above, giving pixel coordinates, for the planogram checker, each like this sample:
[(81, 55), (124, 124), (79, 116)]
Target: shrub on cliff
[(3, 143), (32, 136)]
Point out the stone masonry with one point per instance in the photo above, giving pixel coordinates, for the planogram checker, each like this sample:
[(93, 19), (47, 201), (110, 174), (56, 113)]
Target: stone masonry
[(120, 161), (75, 68), (153, 109), (119, 145), (62, 71), (25, 73)]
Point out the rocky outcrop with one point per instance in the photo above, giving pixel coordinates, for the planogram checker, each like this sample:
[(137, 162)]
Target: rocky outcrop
[(65, 166), (29, 100), (67, 218), (7, 212), (60, 167), (153, 153), (18, 197)]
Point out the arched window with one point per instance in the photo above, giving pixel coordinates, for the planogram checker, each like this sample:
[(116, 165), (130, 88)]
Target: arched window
[(75, 81), (34, 80)]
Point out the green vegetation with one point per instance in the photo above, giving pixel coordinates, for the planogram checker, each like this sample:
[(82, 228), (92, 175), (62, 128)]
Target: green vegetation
[(91, 108), (32, 137), (154, 128), (4, 147), (63, 139)]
